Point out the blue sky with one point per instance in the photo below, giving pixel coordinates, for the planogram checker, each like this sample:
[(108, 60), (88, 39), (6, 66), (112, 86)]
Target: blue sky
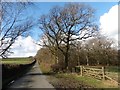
[(41, 8)]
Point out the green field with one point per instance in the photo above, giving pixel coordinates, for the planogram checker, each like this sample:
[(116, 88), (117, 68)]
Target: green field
[(112, 69), (16, 61)]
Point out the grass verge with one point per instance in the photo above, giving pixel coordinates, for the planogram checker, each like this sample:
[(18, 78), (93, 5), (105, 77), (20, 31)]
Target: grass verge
[(69, 80)]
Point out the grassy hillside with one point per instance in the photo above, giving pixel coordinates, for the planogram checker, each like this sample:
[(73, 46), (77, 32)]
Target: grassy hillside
[(16, 61)]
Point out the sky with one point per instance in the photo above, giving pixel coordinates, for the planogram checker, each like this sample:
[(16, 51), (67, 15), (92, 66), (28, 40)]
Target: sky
[(106, 18)]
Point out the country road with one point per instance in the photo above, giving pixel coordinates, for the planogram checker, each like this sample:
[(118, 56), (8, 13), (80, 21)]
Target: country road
[(32, 79)]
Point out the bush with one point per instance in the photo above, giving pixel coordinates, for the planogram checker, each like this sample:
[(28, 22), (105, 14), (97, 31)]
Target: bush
[(57, 67)]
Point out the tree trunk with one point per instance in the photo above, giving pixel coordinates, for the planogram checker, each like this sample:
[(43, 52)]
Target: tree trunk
[(56, 59), (87, 60), (66, 61), (98, 62)]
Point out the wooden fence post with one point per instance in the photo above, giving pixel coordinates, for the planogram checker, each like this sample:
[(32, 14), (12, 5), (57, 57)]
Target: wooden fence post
[(73, 70), (81, 70), (103, 73)]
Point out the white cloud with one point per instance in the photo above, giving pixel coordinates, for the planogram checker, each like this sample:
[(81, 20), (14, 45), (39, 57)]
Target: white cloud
[(24, 47), (109, 23)]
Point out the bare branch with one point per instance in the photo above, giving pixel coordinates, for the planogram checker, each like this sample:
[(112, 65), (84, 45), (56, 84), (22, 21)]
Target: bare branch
[(13, 25)]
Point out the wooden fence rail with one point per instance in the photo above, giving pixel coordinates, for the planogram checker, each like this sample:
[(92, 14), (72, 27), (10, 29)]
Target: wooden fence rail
[(94, 71), (91, 71)]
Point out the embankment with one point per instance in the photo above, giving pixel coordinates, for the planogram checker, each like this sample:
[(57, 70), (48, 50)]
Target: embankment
[(10, 72)]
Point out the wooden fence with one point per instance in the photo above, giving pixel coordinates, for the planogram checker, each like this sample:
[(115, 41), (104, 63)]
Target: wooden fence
[(98, 73), (94, 71)]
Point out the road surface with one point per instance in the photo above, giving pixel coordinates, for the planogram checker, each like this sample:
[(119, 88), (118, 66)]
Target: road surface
[(33, 79)]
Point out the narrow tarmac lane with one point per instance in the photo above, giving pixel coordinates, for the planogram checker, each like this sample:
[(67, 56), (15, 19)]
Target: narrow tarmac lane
[(33, 79)]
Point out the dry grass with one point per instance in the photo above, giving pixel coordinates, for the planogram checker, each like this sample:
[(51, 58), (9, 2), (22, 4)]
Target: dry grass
[(97, 83), (110, 84), (66, 81)]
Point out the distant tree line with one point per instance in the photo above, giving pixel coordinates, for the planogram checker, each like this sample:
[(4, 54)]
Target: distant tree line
[(97, 51)]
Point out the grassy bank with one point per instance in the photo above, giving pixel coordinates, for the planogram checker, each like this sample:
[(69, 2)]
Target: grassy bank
[(70, 80), (14, 68)]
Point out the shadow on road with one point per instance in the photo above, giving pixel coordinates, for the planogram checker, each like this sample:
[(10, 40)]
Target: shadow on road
[(32, 74)]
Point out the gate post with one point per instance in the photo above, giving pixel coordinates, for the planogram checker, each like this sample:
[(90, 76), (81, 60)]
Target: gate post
[(103, 73), (81, 70)]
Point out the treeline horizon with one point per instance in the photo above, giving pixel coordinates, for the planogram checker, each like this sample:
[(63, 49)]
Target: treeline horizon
[(92, 52)]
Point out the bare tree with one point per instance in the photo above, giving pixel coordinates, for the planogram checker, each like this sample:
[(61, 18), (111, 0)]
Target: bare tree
[(102, 49), (64, 25), (14, 23)]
